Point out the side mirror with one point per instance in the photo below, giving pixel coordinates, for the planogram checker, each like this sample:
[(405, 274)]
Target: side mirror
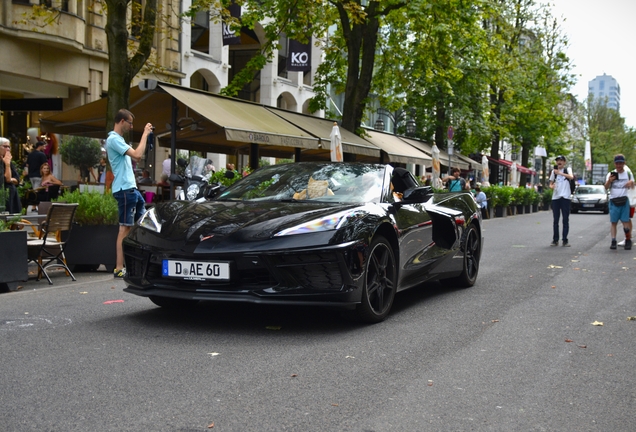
[(417, 195)]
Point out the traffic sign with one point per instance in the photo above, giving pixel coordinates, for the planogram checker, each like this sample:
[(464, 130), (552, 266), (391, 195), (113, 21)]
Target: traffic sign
[(451, 132)]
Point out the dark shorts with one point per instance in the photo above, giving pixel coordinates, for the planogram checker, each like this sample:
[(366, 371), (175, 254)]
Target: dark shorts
[(131, 206)]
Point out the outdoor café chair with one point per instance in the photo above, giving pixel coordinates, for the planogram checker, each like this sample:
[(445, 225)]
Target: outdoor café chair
[(48, 249)]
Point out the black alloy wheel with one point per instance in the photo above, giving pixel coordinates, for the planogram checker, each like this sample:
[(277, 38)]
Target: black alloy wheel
[(380, 282), (471, 246)]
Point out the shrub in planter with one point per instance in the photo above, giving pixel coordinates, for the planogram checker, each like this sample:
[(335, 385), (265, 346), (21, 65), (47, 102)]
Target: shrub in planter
[(547, 197), (13, 256), (93, 241), (81, 152)]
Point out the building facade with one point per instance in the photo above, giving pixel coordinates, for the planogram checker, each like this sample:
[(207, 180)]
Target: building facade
[(52, 67), (606, 89)]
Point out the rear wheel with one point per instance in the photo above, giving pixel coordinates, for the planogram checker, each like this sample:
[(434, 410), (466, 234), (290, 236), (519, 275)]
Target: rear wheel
[(173, 303), (471, 246), (380, 282)]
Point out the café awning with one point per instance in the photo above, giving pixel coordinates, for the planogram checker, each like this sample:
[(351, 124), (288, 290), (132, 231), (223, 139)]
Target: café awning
[(443, 156), (321, 128), (508, 164), (205, 122), (396, 149)]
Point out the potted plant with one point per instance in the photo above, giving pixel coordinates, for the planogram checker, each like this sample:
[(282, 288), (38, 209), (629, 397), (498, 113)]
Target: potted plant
[(499, 198), (93, 239), (13, 255), (517, 199), (547, 198), (81, 152), (527, 200), (535, 200)]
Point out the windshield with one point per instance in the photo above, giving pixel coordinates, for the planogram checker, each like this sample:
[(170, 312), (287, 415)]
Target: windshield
[(586, 190), (198, 167), (322, 182)]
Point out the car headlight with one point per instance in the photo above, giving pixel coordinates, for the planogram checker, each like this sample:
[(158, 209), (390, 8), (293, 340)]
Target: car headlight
[(326, 223), (150, 220), (192, 192)]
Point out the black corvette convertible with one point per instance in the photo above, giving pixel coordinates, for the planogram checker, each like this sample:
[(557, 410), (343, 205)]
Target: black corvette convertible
[(348, 235)]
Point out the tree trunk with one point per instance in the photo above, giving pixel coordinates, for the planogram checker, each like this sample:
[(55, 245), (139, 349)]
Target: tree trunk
[(362, 41), (121, 70)]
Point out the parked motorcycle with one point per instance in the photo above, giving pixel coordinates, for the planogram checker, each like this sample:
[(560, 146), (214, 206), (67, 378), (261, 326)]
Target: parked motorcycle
[(195, 185)]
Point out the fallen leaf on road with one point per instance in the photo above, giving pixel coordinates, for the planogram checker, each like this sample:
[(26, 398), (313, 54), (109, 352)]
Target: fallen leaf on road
[(553, 286), (334, 404), (349, 357), (575, 260), (632, 318), (569, 340), (625, 268), (273, 327), (83, 292), (494, 321), (211, 425), (554, 266), (430, 383), (213, 354), (597, 323), (294, 375), (582, 346), (113, 301), (576, 268)]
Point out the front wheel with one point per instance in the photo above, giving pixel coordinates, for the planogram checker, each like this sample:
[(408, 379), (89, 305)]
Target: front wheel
[(380, 282), (471, 246)]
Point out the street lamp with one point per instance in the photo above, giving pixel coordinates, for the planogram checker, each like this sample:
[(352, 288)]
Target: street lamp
[(396, 118)]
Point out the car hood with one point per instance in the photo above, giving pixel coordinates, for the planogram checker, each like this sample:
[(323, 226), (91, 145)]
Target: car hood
[(590, 197), (243, 220)]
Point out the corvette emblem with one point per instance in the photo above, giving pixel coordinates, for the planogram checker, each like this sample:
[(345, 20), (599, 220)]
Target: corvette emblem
[(202, 237)]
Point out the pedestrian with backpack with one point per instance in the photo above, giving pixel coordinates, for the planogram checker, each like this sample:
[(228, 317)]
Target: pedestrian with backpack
[(561, 195)]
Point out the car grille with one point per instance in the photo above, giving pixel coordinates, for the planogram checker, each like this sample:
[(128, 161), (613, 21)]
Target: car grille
[(320, 272), (312, 271)]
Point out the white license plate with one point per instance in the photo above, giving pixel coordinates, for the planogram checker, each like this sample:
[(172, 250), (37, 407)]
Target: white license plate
[(196, 270), (588, 205)]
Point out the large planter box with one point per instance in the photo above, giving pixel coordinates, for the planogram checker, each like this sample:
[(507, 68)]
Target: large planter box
[(90, 246), (527, 208), (500, 211), (13, 259)]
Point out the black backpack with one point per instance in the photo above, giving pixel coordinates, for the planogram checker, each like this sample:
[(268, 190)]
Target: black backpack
[(572, 183)]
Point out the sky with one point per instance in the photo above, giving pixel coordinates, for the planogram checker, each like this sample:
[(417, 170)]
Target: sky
[(602, 37)]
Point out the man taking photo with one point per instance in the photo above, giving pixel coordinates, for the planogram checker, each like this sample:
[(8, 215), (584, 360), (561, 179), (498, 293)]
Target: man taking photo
[(129, 199)]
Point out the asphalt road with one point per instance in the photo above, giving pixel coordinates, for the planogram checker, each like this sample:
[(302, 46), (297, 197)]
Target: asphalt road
[(495, 357)]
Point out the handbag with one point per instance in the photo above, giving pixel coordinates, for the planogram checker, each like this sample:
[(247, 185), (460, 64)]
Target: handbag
[(631, 194), (619, 201)]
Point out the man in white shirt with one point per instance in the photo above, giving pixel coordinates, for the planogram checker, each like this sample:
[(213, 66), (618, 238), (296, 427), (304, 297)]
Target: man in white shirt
[(561, 195), (618, 182), (166, 165)]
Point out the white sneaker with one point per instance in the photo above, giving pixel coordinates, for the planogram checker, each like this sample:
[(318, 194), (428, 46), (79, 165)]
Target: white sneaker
[(622, 243)]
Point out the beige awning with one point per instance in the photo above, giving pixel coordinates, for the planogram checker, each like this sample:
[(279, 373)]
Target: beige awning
[(243, 121), (321, 128), (443, 156), (208, 122), (398, 150)]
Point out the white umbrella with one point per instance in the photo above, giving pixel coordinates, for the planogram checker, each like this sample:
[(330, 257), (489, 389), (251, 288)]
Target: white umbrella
[(514, 181), (437, 169), (336, 144), (485, 172)]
